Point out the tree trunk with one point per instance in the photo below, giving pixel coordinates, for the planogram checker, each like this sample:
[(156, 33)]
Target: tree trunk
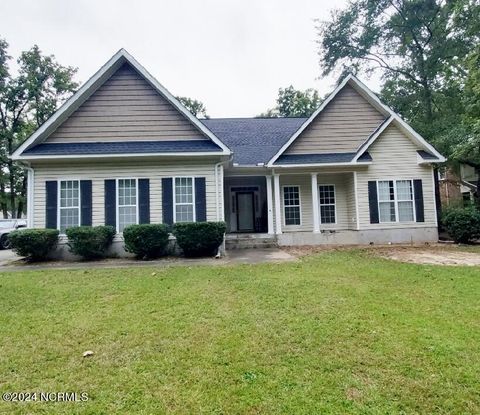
[(3, 204), (12, 188), (476, 195), (21, 200)]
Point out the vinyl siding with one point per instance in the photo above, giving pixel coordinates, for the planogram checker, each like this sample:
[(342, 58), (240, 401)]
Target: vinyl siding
[(351, 210), (395, 157), (343, 125), (125, 107), (102, 171), (341, 183)]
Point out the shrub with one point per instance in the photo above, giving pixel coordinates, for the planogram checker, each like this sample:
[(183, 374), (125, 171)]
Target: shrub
[(146, 241), (462, 224), (90, 242), (35, 244), (199, 238)]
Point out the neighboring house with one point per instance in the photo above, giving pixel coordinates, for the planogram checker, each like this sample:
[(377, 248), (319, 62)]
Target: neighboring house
[(457, 188), (123, 150)]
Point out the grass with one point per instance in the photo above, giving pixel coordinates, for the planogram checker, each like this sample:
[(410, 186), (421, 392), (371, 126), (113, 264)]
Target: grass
[(340, 332)]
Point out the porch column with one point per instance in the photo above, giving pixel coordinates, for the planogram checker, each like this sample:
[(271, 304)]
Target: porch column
[(268, 180), (278, 207), (315, 204)]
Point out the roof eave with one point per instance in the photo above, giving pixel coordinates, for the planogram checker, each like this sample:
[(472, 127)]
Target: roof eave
[(89, 87), (116, 155)]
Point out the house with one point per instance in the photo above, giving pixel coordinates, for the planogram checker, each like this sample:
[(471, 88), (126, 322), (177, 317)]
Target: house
[(457, 186), (123, 150)]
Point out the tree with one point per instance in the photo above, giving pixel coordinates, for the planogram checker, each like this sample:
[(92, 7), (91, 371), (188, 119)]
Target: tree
[(416, 44), (294, 103), (196, 107), (462, 141), (27, 100)]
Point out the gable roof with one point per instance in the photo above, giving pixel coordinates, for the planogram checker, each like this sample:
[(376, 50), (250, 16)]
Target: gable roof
[(87, 89), (372, 99), (126, 148), (253, 141)]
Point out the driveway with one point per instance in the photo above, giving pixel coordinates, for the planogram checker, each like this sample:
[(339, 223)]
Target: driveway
[(240, 256), (7, 256)]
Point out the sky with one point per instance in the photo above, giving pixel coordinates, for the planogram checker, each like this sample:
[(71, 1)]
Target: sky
[(233, 55)]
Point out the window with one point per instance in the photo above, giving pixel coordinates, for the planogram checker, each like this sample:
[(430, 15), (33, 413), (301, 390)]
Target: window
[(184, 200), (291, 205), (395, 201), (127, 203), (327, 203), (69, 206)]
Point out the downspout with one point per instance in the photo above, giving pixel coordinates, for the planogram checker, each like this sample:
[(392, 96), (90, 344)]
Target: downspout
[(217, 195), (221, 249), (30, 195)]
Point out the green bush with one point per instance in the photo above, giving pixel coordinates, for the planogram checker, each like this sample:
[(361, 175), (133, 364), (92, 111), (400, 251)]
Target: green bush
[(90, 242), (146, 241), (199, 238), (35, 244), (462, 224)]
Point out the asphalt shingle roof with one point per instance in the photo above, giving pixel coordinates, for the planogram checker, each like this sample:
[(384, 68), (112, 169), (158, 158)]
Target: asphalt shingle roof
[(253, 140), (124, 147), (321, 158), (426, 155)]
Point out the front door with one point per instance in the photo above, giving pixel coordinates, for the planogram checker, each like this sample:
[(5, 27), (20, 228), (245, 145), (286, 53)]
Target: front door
[(245, 212)]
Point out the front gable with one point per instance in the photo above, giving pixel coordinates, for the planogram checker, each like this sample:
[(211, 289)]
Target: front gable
[(120, 110), (342, 126), (125, 108), (345, 125)]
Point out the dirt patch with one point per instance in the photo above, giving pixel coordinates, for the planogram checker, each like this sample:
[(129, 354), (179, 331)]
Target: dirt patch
[(433, 256)]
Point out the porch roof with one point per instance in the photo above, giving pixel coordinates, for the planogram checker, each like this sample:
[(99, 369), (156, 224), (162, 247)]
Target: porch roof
[(253, 140)]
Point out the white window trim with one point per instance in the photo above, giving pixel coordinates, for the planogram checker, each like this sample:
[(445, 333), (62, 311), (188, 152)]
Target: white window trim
[(299, 203), (117, 204), (59, 184), (397, 218), (329, 204), (175, 198)]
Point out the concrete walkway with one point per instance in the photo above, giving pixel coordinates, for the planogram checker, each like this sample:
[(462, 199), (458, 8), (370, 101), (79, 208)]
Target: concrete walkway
[(11, 262)]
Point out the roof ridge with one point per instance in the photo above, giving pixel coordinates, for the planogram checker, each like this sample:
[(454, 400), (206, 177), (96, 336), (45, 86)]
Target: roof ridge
[(252, 118)]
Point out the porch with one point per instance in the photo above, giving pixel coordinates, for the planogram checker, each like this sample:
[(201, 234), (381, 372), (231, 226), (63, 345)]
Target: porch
[(276, 204)]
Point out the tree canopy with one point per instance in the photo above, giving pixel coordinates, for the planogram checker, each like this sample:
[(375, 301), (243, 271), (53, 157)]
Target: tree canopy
[(292, 102), (195, 106), (426, 52), (27, 99)]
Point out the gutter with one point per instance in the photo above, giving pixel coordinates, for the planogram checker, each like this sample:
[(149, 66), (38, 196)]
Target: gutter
[(30, 194), (217, 196)]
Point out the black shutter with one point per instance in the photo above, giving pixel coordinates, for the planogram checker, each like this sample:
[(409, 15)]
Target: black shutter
[(144, 200), (418, 192), (86, 202), (200, 200), (373, 201), (167, 200), (51, 188), (110, 203)]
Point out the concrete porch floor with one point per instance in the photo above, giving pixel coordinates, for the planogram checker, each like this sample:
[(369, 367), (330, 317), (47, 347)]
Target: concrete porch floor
[(9, 261)]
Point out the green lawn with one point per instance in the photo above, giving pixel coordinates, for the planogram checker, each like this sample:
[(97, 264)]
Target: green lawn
[(339, 332)]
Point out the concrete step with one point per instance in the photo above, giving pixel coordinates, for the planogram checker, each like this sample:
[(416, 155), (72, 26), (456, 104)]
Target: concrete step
[(249, 242)]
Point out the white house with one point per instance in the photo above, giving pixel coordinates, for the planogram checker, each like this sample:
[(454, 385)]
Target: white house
[(123, 150)]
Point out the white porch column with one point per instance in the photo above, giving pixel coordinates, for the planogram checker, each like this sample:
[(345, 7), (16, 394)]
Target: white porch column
[(30, 197), (315, 204), (268, 180), (278, 207)]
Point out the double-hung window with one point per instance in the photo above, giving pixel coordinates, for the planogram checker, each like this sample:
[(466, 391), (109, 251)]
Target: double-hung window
[(69, 204), (184, 200), (395, 201), (291, 205), (127, 203), (326, 193)]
